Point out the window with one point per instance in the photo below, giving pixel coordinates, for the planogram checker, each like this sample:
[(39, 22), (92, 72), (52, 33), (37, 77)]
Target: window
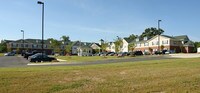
[(146, 44), (34, 46), (174, 42), (11, 44), (26, 45), (139, 44), (155, 43), (165, 42), (137, 39), (46, 46), (113, 47)]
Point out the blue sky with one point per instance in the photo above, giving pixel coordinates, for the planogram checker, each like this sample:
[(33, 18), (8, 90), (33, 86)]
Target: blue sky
[(92, 20)]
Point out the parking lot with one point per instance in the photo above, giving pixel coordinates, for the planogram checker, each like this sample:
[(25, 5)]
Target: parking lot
[(18, 61), (13, 61)]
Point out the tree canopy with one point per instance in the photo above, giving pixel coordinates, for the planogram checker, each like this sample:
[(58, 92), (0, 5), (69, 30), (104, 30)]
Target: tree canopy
[(150, 32), (65, 38), (3, 47), (55, 44), (118, 44), (132, 37)]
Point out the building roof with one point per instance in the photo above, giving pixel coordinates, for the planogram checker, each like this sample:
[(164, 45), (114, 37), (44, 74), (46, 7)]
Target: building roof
[(189, 43), (33, 41), (182, 37), (128, 40), (167, 36), (96, 44), (78, 43)]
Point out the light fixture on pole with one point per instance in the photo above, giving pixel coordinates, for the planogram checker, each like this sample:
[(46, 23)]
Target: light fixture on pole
[(23, 42), (159, 35), (42, 3)]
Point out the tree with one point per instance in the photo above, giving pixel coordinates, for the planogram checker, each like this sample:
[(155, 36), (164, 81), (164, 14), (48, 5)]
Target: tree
[(151, 50), (196, 45), (17, 50), (65, 38), (131, 47), (118, 44), (150, 32), (162, 47), (3, 47), (104, 45), (132, 37), (55, 44), (68, 49)]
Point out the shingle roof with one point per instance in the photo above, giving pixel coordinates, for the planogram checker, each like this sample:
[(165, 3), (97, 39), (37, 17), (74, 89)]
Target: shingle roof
[(78, 43), (167, 36), (189, 43), (182, 37), (128, 40)]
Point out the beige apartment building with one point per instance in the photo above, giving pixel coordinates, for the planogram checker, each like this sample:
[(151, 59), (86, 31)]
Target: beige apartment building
[(174, 44)]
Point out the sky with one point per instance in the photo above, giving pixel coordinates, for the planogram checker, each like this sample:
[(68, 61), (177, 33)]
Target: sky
[(92, 20)]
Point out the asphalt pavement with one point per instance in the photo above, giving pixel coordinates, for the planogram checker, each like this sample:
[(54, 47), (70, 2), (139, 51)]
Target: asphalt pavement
[(17, 61), (13, 61)]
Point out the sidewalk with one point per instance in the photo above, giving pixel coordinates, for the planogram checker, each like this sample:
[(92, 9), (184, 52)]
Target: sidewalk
[(46, 63), (190, 55)]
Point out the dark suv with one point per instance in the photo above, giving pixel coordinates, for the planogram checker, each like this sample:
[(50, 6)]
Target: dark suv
[(27, 54), (136, 53)]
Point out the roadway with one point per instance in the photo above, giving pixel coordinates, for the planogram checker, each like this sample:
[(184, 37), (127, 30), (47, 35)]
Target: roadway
[(17, 61)]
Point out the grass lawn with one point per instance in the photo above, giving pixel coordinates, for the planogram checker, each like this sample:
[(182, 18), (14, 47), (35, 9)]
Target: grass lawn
[(1, 54), (86, 58), (164, 76)]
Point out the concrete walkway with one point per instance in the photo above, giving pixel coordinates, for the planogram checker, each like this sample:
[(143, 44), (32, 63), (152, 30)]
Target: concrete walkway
[(189, 55)]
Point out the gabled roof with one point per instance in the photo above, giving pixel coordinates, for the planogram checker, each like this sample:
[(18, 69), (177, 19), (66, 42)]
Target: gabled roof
[(189, 43), (78, 43), (7, 41), (33, 41), (182, 37), (84, 46), (96, 44), (167, 36), (128, 40)]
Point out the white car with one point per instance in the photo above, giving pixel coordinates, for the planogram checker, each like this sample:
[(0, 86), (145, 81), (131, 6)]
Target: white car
[(9, 54)]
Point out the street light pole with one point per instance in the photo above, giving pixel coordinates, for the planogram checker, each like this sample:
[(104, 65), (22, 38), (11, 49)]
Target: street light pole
[(159, 35), (42, 3), (23, 41)]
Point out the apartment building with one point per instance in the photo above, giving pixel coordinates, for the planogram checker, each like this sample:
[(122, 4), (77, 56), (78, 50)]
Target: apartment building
[(31, 45), (175, 44)]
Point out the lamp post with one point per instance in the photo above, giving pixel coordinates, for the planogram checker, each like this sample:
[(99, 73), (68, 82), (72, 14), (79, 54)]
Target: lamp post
[(159, 35), (22, 53), (42, 3)]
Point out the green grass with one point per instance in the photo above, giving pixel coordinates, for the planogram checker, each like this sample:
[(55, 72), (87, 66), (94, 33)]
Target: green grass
[(1, 54), (161, 76), (86, 58)]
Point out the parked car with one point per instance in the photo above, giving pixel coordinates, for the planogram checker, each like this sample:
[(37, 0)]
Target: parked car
[(111, 54), (103, 54), (147, 53), (40, 57), (9, 54), (136, 53), (27, 54), (158, 52), (122, 54)]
